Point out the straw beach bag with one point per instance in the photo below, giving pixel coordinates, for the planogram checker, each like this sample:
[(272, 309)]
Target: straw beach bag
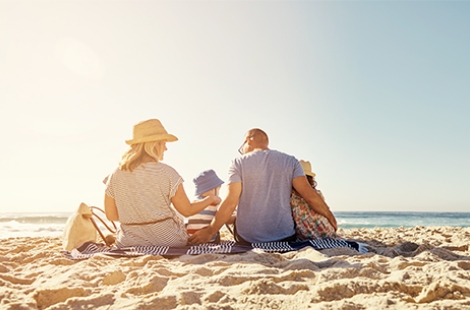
[(81, 227)]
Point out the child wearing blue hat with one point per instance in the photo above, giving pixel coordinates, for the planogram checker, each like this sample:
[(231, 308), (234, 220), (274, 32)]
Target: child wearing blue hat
[(207, 183)]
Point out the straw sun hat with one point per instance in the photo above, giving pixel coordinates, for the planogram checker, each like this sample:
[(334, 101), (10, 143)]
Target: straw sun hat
[(307, 168), (150, 130)]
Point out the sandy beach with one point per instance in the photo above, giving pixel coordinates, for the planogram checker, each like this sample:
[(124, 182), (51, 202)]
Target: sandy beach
[(406, 268)]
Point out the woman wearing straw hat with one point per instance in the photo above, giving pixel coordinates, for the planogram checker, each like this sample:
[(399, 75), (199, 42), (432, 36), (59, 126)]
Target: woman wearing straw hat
[(139, 193)]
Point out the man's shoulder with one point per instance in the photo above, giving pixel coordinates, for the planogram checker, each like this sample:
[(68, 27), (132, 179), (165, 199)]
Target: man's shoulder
[(281, 156), (266, 157), (279, 153), (255, 158), (268, 152)]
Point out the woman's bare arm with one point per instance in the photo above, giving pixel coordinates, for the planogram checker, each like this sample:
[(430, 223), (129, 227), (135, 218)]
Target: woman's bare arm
[(110, 208), (182, 204)]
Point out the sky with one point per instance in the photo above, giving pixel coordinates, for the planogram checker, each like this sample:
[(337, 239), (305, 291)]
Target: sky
[(375, 94)]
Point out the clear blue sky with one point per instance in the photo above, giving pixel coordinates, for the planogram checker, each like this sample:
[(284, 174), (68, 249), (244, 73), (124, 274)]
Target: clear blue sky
[(375, 94)]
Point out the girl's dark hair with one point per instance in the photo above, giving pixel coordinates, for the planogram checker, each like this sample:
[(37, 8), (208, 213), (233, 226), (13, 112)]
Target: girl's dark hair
[(312, 181)]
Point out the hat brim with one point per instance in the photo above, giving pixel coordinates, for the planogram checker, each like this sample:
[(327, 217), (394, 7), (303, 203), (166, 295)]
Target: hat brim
[(310, 174), (208, 187), (167, 137)]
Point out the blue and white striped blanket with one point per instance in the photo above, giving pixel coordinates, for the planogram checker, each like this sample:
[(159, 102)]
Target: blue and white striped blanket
[(90, 249)]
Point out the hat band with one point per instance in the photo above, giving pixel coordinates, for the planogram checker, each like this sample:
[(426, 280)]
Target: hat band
[(157, 137)]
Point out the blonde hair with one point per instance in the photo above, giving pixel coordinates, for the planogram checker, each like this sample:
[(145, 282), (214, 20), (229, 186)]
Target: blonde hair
[(139, 152)]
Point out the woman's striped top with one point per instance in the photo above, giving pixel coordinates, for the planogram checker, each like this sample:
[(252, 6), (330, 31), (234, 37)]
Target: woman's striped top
[(143, 201)]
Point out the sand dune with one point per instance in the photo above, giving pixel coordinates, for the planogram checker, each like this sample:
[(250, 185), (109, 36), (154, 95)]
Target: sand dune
[(414, 268)]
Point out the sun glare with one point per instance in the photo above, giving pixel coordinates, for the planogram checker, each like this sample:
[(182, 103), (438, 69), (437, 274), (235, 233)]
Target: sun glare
[(80, 58)]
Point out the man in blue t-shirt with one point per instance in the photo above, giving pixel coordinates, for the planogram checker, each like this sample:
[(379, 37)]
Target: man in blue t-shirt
[(260, 184)]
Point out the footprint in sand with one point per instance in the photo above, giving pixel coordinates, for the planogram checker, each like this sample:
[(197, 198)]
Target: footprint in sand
[(48, 297), (148, 285)]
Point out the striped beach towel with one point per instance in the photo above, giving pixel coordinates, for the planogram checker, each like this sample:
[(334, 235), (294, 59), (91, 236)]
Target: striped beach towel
[(90, 249)]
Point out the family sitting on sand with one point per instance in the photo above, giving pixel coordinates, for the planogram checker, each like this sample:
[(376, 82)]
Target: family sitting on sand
[(273, 194)]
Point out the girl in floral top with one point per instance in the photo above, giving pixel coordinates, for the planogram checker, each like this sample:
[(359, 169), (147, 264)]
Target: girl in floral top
[(308, 223)]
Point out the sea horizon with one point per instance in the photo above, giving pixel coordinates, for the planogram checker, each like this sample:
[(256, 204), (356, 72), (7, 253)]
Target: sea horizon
[(51, 224)]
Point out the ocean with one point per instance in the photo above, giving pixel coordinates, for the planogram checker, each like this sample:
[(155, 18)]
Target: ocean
[(52, 224)]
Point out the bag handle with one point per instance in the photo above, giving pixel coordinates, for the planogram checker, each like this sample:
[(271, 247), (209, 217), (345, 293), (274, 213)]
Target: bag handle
[(103, 222)]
